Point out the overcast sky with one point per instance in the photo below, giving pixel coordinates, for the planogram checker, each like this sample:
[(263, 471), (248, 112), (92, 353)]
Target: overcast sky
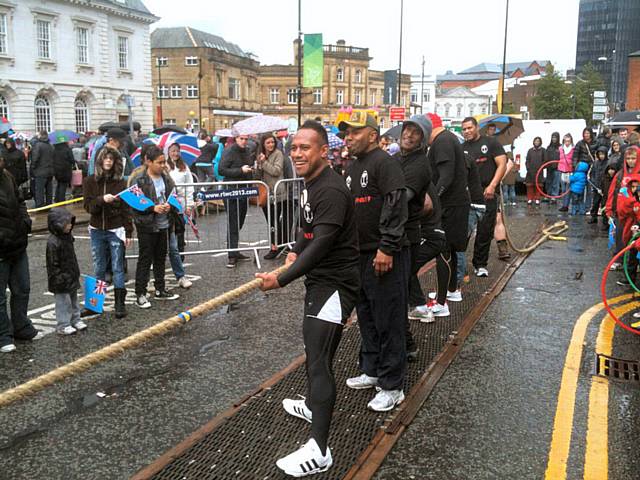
[(452, 35)]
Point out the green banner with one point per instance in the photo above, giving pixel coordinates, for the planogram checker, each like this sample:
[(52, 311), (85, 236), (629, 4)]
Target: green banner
[(313, 60)]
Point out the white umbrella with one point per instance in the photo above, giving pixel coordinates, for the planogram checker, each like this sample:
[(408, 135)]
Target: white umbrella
[(259, 124), (225, 132)]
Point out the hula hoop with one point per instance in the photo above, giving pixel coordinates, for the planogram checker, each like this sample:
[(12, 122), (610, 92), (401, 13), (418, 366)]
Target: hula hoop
[(603, 286), (554, 197), (625, 264)]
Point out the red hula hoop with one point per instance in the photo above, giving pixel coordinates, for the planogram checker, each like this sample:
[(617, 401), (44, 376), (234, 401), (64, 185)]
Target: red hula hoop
[(603, 286), (542, 167)]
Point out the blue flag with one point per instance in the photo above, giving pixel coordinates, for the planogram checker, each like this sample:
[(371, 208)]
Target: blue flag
[(94, 292), (174, 201), (612, 235), (135, 198)]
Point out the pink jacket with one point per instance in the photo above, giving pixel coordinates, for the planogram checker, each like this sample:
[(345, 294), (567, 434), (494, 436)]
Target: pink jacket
[(565, 160)]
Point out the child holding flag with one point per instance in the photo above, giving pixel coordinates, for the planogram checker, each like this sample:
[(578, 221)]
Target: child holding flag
[(63, 271)]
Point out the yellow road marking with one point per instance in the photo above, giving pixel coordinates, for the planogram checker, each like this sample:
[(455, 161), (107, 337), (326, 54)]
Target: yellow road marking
[(563, 422), (596, 460)]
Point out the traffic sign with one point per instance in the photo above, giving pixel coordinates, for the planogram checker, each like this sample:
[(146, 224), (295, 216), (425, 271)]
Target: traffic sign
[(600, 109), (599, 101), (397, 114), (598, 116), (599, 94)]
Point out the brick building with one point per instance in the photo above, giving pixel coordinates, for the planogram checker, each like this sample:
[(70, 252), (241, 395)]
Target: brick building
[(633, 82)]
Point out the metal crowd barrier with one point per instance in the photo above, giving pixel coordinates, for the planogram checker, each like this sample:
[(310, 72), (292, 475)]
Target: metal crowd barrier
[(218, 207), (286, 210)]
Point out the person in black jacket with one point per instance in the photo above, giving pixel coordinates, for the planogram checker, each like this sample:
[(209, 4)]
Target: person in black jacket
[(42, 170), (63, 162), (596, 177), (15, 226), (552, 184), (585, 151), (16, 164), (63, 272), (378, 187), (235, 166)]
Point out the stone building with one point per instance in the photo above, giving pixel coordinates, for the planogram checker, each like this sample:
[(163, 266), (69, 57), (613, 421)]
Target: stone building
[(633, 82), (201, 79), (68, 64), (454, 104)]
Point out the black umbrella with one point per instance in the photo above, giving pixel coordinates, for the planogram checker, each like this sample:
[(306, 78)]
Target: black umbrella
[(625, 118), (108, 126), (169, 128)]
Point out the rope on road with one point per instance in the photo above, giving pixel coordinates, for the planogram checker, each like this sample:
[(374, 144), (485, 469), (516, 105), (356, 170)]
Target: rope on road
[(53, 205), (550, 233), (115, 349)]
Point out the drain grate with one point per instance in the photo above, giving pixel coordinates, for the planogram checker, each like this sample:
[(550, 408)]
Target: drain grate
[(617, 368)]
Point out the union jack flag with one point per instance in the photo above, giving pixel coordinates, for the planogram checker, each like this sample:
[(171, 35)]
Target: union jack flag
[(135, 198), (136, 190), (100, 288)]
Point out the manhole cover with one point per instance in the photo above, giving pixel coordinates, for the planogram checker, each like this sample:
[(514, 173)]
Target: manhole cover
[(617, 368)]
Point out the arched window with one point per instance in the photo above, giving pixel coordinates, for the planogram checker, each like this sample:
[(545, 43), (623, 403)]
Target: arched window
[(358, 76), (472, 109), (4, 108), (43, 113), (340, 74), (447, 108), (459, 110), (82, 115)]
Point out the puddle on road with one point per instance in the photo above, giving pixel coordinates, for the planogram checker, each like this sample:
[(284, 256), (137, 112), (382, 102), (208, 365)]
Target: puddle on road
[(208, 346)]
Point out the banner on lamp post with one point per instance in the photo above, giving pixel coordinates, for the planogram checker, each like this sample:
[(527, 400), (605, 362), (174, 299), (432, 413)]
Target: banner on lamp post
[(313, 60)]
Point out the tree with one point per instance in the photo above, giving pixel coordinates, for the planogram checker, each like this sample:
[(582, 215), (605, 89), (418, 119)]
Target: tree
[(586, 82), (553, 96)]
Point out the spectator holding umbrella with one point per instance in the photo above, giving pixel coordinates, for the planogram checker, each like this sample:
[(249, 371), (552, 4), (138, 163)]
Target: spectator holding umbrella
[(63, 162), (42, 170)]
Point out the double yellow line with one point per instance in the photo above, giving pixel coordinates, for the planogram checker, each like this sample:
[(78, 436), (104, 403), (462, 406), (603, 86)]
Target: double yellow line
[(596, 465)]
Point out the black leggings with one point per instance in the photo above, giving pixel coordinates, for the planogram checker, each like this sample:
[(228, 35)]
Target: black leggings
[(321, 339), (433, 246)]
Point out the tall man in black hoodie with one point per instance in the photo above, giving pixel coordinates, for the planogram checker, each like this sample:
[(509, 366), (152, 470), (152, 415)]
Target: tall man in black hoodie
[(235, 165), (378, 186)]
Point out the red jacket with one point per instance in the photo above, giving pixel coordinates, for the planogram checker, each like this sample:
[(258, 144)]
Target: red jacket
[(628, 210), (619, 180)]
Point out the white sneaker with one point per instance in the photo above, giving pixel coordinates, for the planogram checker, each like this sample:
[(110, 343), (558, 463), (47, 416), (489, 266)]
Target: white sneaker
[(386, 400), (143, 302), (68, 330), (297, 408), (482, 272), (39, 336), (451, 296), (80, 325), (362, 381), (8, 348), (615, 266), (422, 313), (184, 282), (307, 460), (438, 310)]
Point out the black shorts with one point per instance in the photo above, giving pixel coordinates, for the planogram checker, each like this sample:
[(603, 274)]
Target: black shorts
[(329, 303), (455, 223)]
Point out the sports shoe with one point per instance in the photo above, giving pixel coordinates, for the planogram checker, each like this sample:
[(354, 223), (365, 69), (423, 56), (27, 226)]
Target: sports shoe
[(241, 256), (615, 266), (438, 310), (80, 325), (297, 408), (184, 282), (272, 254), (362, 381), (39, 336), (232, 262), (143, 302), (307, 460), (386, 400), (165, 295), (482, 272), (623, 283), (636, 315), (537, 202), (451, 296), (529, 202), (563, 209), (68, 330), (8, 348), (86, 313)]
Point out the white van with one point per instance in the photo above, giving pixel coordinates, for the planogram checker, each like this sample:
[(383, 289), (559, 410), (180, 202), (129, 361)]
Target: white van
[(543, 129)]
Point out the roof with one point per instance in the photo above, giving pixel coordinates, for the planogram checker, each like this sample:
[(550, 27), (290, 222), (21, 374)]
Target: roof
[(635, 54), (135, 5), (459, 92), (468, 77), (186, 37), (497, 67), (483, 68)]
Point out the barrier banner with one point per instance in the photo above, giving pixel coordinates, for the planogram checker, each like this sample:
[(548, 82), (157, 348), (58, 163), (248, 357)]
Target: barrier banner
[(229, 194), (313, 64)]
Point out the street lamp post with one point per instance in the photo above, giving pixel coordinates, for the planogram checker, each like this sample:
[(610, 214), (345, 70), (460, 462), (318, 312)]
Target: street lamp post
[(199, 94), (399, 95), (299, 55), (160, 89), (422, 87)]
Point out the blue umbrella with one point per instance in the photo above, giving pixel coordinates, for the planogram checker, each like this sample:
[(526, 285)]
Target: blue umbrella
[(334, 141), (63, 136), (5, 125)]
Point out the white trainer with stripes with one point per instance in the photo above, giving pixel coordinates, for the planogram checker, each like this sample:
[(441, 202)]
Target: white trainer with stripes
[(307, 460), (297, 408)]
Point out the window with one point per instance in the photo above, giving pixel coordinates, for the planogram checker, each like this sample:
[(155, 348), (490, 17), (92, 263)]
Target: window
[(192, 91), (373, 97), (123, 53), (274, 95), (414, 96), (163, 91), (292, 96), (339, 96), (44, 38), (170, 121), (472, 107), (4, 47), (234, 88), (4, 108), (191, 61), (176, 91), (459, 110), (358, 76), (82, 115), (483, 109), (317, 96), (43, 113), (162, 61), (340, 75), (358, 96), (447, 109), (83, 46), (218, 84), (426, 96)]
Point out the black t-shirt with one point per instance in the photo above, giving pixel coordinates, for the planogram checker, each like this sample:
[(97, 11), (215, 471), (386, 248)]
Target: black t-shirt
[(431, 222), (448, 170), (327, 201), (417, 177), (370, 178), (484, 152)]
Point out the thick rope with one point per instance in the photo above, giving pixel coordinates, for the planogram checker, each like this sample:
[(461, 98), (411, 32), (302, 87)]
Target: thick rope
[(115, 349), (549, 233)]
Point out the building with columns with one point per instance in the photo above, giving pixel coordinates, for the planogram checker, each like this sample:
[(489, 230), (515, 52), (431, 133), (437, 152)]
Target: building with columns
[(72, 64)]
